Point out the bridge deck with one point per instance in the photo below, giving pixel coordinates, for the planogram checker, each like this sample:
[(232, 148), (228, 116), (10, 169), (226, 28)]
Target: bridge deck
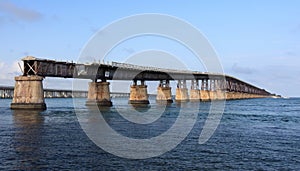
[(121, 71)]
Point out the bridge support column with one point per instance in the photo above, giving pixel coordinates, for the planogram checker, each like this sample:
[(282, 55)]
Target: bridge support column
[(229, 95), (164, 92), (212, 91), (98, 94), (181, 91), (204, 93), (231, 90), (195, 92), (138, 93), (238, 95), (28, 93), (220, 90)]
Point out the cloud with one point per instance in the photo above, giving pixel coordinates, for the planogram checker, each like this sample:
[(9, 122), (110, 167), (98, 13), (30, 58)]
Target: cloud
[(19, 13), (129, 50), (55, 17), (290, 53), (26, 53), (8, 71), (241, 70), (6, 19), (94, 29), (1, 65), (281, 79)]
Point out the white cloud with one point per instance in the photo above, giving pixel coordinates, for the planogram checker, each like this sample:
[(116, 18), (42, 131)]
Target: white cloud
[(8, 71), (241, 70), (1, 65)]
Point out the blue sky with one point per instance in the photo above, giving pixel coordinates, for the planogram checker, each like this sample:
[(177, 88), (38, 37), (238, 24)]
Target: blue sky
[(257, 41)]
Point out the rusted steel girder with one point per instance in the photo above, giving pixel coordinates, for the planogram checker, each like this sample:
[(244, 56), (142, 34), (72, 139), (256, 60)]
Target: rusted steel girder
[(119, 71)]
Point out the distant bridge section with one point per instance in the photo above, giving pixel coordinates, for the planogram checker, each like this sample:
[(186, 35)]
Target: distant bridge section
[(204, 86), (7, 92)]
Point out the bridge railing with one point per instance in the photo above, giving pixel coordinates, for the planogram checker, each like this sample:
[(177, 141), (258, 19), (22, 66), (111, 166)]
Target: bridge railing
[(148, 68)]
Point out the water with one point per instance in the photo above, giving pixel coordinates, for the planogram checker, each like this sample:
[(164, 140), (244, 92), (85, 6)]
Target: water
[(255, 134)]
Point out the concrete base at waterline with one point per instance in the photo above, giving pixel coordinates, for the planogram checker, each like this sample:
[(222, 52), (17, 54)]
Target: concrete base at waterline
[(138, 102), (28, 106), (182, 95), (138, 94), (106, 103), (28, 93), (164, 95), (98, 94), (194, 95), (164, 101), (204, 95)]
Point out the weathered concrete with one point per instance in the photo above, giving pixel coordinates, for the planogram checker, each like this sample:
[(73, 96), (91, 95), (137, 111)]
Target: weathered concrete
[(195, 95), (181, 91), (217, 95), (164, 94), (138, 94), (212, 95), (28, 93), (182, 94), (220, 95), (233, 95), (229, 95), (204, 95), (240, 95), (194, 91), (99, 94)]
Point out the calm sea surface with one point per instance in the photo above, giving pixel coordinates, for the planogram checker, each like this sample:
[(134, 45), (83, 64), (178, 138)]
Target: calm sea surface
[(256, 134)]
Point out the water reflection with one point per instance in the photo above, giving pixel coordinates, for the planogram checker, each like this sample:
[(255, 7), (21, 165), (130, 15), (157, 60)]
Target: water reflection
[(27, 138), (162, 103), (96, 108), (141, 107), (180, 104)]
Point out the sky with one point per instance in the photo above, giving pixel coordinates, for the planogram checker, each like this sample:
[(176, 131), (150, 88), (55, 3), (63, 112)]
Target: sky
[(256, 41)]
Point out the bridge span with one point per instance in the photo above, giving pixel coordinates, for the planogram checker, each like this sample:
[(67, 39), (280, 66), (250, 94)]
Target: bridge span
[(29, 92), (7, 92)]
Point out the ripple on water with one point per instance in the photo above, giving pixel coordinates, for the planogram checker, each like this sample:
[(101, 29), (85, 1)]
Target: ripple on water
[(256, 134)]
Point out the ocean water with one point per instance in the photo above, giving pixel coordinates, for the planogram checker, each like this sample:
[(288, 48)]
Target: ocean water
[(254, 134)]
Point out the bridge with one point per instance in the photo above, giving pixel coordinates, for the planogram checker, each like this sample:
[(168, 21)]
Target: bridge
[(29, 92), (7, 92)]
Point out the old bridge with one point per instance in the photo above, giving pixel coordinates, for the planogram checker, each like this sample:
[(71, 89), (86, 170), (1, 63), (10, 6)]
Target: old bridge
[(29, 93)]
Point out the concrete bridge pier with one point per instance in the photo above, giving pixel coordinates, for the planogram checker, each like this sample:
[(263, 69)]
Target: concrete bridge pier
[(99, 94), (229, 95), (204, 92), (29, 93), (181, 91), (220, 89), (164, 91), (138, 93), (195, 92), (213, 90)]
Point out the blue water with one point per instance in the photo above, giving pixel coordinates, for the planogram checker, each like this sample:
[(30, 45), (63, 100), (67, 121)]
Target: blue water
[(255, 134)]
